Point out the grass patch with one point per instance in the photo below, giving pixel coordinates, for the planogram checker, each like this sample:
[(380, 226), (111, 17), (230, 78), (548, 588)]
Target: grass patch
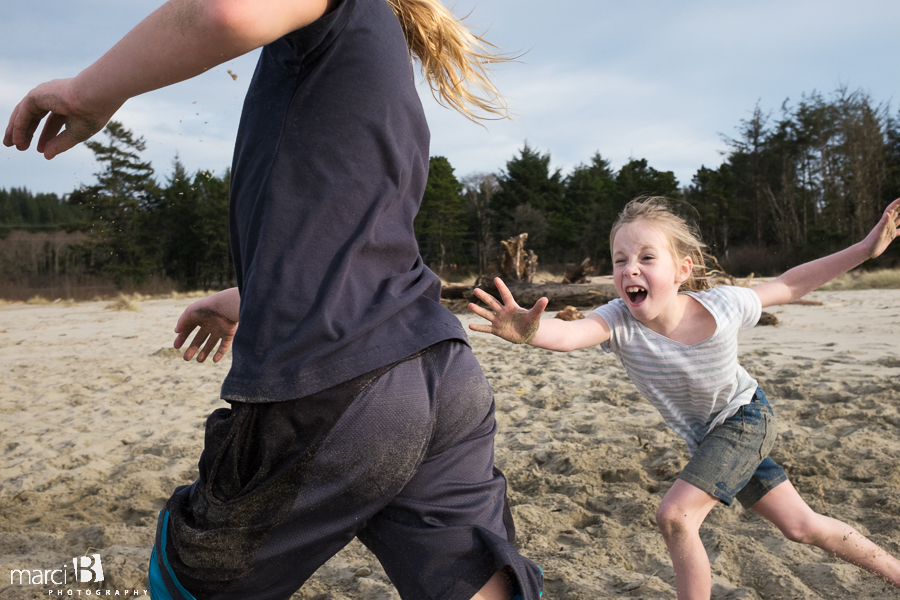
[(39, 300), (187, 295), (126, 302), (885, 279), (547, 277)]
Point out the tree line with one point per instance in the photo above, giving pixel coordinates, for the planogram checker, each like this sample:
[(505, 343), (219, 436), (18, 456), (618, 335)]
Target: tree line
[(125, 228), (809, 180), (806, 180)]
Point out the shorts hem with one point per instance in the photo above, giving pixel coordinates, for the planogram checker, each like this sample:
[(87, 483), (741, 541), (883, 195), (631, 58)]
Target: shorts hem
[(750, 502), (701, 484)]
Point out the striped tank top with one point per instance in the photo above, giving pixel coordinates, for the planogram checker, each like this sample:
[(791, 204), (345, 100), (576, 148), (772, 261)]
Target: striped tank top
[(693, 386)]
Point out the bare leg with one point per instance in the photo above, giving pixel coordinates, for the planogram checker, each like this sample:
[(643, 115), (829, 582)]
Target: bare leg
[(497, 588), (679, 517), (784, 507)]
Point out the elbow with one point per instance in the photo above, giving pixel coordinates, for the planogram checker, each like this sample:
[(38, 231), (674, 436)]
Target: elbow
[(235, 21), (783, 292), (247, 24)]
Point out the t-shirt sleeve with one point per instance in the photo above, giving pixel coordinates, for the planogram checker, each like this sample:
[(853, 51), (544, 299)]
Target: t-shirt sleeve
[(612, 314), (746, 303)]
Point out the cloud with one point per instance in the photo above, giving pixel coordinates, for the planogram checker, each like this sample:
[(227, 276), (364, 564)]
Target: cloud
[(655, 80), (573, 112)]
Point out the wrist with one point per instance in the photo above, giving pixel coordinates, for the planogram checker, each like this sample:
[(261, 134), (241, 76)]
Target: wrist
[(89, 99), (228, 303), (861, 252)]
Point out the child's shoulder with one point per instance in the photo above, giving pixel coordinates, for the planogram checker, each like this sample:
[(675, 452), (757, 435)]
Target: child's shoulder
[(613, 309), (731, 302), (617, 316), (725, 293)]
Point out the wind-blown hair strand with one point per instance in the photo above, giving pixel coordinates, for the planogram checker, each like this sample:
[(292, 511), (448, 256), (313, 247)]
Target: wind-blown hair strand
[(454, 60)]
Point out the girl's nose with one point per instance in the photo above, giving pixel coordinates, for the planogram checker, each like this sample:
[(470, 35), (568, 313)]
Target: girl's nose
[(631, 268)]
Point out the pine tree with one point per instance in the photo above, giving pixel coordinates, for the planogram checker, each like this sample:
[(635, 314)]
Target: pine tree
[(177, 221), (440, 224), (531, 200), (892, 159), (637, 178), (120, 204), (591, 195)]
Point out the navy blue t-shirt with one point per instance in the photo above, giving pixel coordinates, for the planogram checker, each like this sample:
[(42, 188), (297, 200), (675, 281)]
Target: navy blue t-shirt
[(329, 169)]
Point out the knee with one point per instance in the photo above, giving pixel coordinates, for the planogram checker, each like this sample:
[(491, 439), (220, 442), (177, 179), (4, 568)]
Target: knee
[(673, 522), (802, 531)]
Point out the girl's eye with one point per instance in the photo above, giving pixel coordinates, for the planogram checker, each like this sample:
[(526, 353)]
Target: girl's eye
[(648, 257), (619, 261)]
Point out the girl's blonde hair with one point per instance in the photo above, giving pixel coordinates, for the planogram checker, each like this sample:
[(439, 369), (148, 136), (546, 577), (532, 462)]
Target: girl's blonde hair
[(454, 60), (682, 235)]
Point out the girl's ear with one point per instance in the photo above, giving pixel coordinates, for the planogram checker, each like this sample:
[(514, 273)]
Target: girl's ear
[(684, 268)]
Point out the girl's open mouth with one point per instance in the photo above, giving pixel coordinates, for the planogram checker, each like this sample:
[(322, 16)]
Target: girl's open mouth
[(636, 294)]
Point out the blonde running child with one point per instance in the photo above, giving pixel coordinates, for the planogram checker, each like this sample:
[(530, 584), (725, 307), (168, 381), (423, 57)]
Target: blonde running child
[(678, 344), (356, 406)]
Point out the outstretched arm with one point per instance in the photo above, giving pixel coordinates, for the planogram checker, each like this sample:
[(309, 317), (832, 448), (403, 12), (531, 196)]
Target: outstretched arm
[(181, 39), (217, 318), (799, 281), (519, 326)]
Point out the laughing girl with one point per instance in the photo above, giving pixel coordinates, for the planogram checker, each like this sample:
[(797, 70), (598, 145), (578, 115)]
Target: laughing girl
[(678, 343)]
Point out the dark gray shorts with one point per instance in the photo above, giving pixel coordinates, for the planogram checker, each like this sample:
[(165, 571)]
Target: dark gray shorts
[(733, 459), (402, 458)]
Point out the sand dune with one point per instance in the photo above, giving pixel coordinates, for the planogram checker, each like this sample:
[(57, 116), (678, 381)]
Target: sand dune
[(100, 420)]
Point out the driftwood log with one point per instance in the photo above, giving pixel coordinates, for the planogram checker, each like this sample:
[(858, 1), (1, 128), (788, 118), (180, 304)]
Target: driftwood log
[(560, 296), (767, 319), (515, 263), (579, 275), (570, 313), (456, 292)]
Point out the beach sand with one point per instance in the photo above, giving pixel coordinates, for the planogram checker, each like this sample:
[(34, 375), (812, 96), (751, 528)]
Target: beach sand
[(100, 419)]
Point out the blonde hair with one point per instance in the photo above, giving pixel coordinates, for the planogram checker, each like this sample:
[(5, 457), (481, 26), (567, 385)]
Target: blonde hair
[(683, 236), (454, 60)]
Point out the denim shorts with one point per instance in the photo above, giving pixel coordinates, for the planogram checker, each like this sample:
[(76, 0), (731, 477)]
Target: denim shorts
[(733, 459)]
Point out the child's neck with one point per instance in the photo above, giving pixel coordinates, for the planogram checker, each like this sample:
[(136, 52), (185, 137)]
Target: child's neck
[(684, 320)]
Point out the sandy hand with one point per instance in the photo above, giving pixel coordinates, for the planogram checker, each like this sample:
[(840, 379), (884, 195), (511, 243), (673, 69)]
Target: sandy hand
[(508, 320), (885, 231), (215, 328), (58, 99)]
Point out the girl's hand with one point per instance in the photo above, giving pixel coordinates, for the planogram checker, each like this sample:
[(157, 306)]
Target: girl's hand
[(59, 99), (508, 320), (885, 231), (215, 328)]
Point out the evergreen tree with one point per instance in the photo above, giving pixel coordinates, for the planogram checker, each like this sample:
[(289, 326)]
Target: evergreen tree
[(591, 195), (711, 195), (177, 221), (892, 159), (440, 224), (637, 178), (529, 182), (192, 219), (120, 204), (749, 165), (217, 265), (20, 209)]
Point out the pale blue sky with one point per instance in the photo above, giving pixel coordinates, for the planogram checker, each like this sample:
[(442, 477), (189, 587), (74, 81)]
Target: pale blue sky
[(651, 79)]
